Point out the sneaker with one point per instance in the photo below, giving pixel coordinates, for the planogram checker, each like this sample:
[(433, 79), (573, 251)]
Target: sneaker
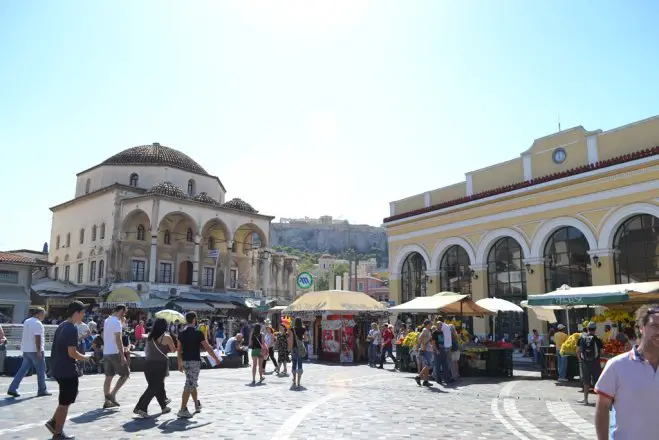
[(418, 380), (50, 425), (63, 436), (165, 410), (141, 413), (184, 414), (107, 404), (168, 401), (13, 394), (293, 387), (44, 394), (427, 384), (197, 407)]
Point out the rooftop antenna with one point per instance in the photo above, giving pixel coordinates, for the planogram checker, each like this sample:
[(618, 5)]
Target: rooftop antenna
[(559, 122)]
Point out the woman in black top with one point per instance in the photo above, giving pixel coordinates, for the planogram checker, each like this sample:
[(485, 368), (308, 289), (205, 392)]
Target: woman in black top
[(256, 344), (297, 337)]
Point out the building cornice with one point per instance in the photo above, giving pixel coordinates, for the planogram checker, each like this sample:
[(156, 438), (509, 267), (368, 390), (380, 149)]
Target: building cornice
[(98, 192), (520, 188)]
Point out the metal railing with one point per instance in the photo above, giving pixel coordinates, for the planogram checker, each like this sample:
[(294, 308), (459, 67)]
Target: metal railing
[(14, 335)]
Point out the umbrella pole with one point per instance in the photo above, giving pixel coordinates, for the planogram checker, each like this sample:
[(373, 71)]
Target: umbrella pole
[(567, 318)]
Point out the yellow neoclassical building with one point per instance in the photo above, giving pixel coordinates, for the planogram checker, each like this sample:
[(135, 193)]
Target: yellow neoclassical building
[(578, 207)]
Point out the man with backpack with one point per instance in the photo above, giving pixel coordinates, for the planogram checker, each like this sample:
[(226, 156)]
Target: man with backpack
[(588, 353)]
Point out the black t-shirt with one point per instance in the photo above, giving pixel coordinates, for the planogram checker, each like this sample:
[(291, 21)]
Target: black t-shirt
[(191, 339), (63, 366), (298, 333)]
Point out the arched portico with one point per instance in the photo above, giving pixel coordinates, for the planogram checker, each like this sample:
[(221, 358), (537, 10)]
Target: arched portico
[(548, 228), (404, 252), (444, 245), (618, 217), (486, 243)]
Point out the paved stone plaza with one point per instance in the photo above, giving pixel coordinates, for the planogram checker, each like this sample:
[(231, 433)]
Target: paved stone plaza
[(339, 402)]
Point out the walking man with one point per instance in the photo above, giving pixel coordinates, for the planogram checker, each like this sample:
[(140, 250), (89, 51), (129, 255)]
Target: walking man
[(32, 346), (424, 358), (64, 359), (114, 356), (588, 352), (190, 343), (629, 384)]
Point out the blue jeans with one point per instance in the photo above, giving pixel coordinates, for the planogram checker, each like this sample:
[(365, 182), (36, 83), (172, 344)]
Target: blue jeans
[(441, 361), (297, 362), (30, 361), (372, 354), (562, 366)]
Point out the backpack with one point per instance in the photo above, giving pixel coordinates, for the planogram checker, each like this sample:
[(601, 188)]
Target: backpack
[(590, 350), (300, 347)]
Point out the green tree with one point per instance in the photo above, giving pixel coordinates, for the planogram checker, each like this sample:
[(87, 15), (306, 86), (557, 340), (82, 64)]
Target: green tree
[(340, 269), (322, 283)]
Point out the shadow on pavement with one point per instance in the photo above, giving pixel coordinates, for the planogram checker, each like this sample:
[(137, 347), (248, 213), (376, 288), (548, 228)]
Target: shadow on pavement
[(180, 425), (137, 425), (92, 416), (8, 401)]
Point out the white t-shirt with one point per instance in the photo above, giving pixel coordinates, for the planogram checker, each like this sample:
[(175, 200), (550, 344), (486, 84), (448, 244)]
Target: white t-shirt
[(82, 329), (448, 337), (111, 326), (31, 328)]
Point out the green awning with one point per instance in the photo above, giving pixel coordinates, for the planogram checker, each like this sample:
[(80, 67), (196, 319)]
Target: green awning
[(574, 300)]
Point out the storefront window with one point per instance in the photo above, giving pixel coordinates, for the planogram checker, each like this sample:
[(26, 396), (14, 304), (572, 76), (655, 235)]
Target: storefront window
[(455, 274), (507, 280), (138, 268), (567, 260), (637, 250), (8, 277), (412, 277)]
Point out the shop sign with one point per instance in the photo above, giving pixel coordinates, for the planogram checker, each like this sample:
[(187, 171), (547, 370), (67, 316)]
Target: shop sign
[(123, 295), (8, 276), (305, 280)]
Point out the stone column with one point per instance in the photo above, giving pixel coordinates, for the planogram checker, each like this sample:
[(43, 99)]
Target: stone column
[(535, 285), (227, 267), (196, 258), (153, 258), (267, 269), (603, 271), (479, 291), (432, 284)]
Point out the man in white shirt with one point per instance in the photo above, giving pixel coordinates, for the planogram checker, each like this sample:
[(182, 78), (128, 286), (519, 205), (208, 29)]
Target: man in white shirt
[(443, 340), (114, 358), (32, 346)]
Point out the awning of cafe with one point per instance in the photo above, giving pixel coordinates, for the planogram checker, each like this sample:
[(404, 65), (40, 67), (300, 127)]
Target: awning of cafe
[(223, 306), (197, 306), (335, 301), (428, 304), (569, 297), (464, 307)]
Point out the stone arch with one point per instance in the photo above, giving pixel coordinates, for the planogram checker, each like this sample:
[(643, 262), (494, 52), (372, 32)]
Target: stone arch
[(618, 217), (178, 223), (443, 245), (549, 227), (407, 250), (131, 222), (242, 237), (492, 236)]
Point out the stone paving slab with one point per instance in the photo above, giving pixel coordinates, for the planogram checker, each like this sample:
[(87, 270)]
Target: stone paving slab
[(340, 402)]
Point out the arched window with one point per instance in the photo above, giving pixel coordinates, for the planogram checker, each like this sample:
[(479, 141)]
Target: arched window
[(140, 232), (68, 239), (94, 233), (134, 179), (256, 240), (57, 242), (102, 234), (82, 236), (637, 250), (455, 274), (567, 260), (167, 239), (191, 187), (211, 243), (507, 279), (88, 185), (412, 277), (101, 269), (189, 236)]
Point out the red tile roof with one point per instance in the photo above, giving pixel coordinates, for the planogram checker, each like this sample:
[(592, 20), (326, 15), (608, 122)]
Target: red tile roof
[(528, 183), (9, 258)]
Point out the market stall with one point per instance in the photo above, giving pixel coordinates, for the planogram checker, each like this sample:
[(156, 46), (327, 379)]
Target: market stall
[(335, 316)]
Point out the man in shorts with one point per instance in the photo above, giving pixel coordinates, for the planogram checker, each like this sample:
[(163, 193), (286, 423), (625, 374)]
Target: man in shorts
[(64, 367), (114, 356), (190, 343), (588, 351), (425, 356)]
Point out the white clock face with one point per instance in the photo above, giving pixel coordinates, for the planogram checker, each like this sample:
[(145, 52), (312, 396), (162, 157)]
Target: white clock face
[(559, 155)]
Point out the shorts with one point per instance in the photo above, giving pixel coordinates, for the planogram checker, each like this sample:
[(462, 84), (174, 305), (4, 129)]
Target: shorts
[(192, 369), (68, 390), (256, 352), (114, 367), (591, 372), (426, 358), (455, 356)]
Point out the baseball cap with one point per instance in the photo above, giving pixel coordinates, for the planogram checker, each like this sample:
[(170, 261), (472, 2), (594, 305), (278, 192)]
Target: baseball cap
[(560, 326), (426, 322), (592, 326)]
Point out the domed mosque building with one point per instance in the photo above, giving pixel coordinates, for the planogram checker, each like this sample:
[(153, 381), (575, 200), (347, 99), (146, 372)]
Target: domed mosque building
[(153, 221)]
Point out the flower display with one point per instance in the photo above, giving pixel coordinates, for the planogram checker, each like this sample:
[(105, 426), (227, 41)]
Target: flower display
[(411, 339), (569, 347)]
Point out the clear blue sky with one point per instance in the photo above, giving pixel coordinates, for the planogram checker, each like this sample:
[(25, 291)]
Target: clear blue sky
[(302, 108)]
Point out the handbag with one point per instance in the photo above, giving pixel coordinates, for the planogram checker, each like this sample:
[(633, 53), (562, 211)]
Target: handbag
[(265, 352), (300, 347)]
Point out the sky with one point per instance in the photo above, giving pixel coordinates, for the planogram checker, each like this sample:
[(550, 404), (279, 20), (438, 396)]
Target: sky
[(307, 108)]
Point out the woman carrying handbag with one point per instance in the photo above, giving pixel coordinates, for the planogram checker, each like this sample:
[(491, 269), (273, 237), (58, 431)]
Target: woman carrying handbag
[(256, 343)]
